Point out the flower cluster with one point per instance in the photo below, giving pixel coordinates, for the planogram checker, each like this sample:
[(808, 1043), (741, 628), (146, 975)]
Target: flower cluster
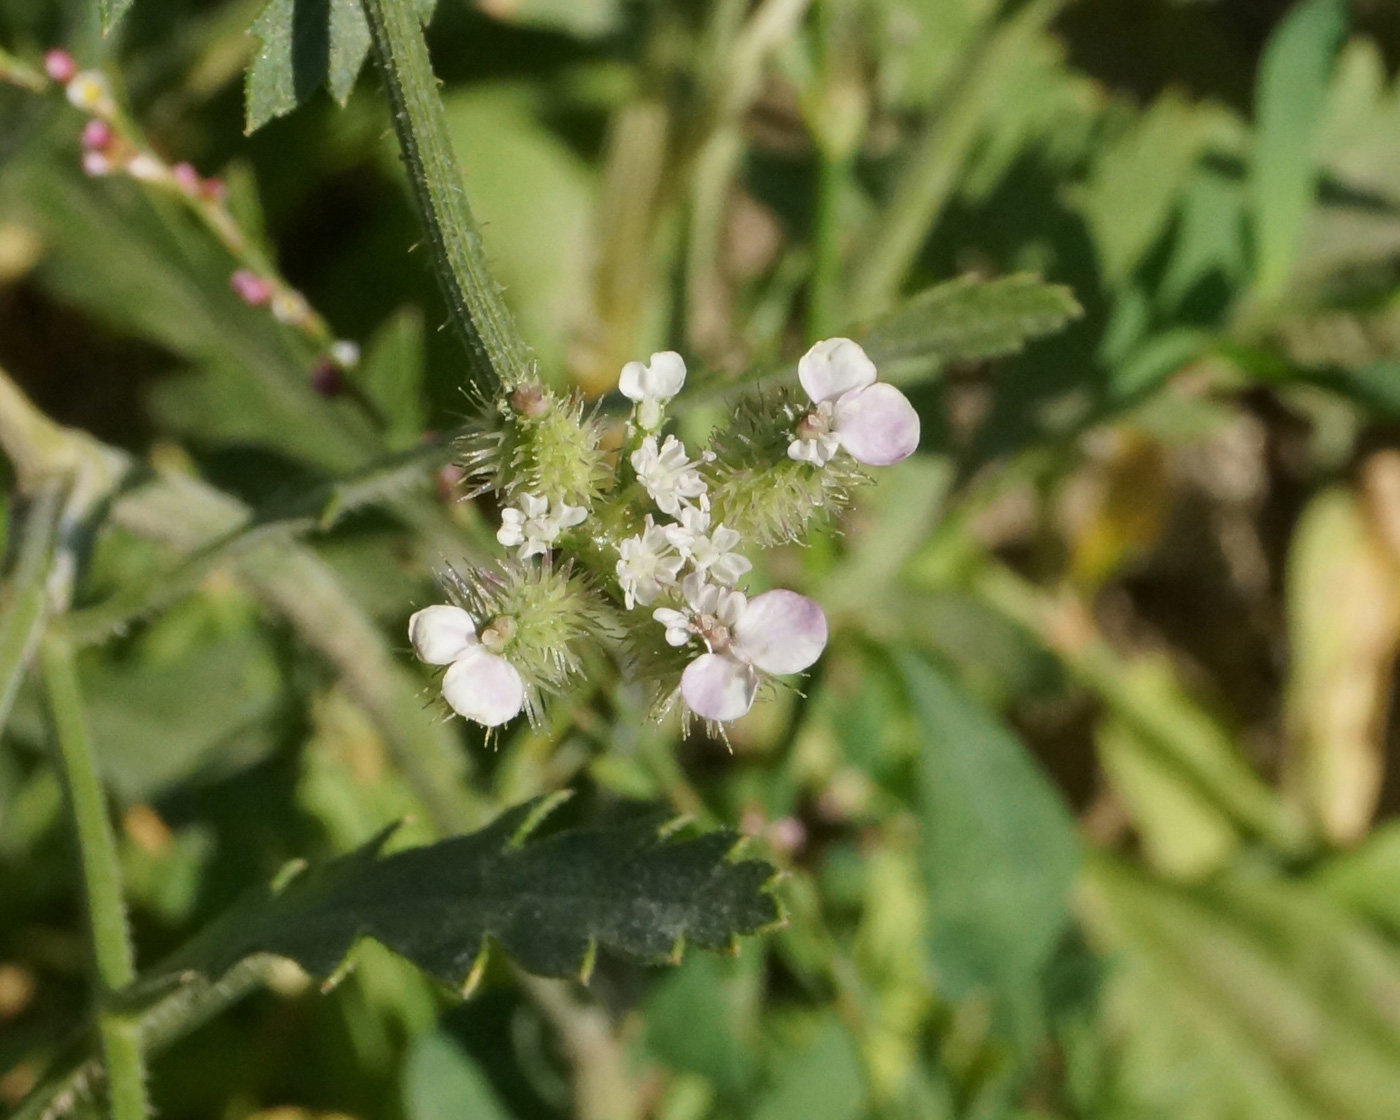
[(639, 551)]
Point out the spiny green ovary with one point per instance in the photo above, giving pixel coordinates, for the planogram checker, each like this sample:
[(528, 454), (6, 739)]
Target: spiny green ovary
[(554, 612), (756, 489), (558, 455)]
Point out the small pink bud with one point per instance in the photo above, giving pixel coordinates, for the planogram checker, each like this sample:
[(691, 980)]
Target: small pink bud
[(327, 378), (60, 66), (186, 177), (97, 135), (213, 189), (251, 288), (448, 478), (787, 835)]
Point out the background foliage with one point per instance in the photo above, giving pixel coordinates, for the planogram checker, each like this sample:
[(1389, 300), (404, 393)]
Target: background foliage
[(1087, 812)]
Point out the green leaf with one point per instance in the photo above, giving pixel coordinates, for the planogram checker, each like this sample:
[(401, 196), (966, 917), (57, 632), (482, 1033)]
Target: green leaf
[(111, 12), (967, 319), (442, 1082), (306, 44), (549, 903), (819, 1078), (999, 847), (1291, 95), (392, 376)]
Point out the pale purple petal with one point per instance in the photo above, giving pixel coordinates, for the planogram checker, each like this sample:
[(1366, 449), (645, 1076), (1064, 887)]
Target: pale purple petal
[(718, 687), (832, 367), (483, 687), (441, 634), (780, 632), (877, 425)]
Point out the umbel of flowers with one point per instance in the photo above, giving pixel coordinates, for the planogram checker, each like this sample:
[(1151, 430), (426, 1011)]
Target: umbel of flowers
[(636, 553)]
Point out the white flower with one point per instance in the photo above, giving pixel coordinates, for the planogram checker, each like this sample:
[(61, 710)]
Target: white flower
[(777, 632), (90, 92), (644, 568), (875, 423), (710, 553), (668, 474), (478, 684), (651, 386), (535, 526)]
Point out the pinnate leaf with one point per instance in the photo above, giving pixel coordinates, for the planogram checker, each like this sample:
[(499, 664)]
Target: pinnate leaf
[(967, 319), (306, 44), (549, 903)]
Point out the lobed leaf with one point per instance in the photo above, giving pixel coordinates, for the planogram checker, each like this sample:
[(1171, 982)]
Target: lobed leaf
[(306, 44), (548, 903), (966, 319)]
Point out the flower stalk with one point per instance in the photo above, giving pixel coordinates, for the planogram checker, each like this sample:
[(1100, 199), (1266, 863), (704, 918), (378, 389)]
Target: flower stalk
[(497, 353), (111, 942)]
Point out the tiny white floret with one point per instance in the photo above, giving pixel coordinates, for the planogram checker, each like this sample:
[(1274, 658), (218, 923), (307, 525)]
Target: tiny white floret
[(670, 477), (90, 92), (710, 551), (534, 525), (651, 386), (646, 565), (478, 685)]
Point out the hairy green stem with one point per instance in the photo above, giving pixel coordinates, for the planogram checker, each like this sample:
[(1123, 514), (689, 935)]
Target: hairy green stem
[(97, 852), (497, 353)]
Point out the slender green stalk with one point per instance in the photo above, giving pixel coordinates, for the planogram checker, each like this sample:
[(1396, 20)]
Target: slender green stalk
[(97, 851), (496, 351), (931, 172), (834, 172)]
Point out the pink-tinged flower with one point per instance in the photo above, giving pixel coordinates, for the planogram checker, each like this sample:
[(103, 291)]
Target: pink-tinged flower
[(651, 386), (97, 164), (97, 136), (873, 422), (251, 288), (478, 685), (778, 632), (186, 177), (213, 189), (60, 66)]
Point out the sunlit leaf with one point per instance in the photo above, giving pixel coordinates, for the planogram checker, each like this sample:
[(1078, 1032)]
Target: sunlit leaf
[(549, 903), (442, 1082)]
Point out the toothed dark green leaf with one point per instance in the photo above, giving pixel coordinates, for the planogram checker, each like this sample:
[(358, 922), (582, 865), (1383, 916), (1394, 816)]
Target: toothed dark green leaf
[(545, 902), (306, 44)]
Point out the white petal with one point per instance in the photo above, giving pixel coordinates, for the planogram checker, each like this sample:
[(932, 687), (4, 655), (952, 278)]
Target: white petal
[(877, 425), (630, 382), (729, 568), (666, 375), (483, 687), (780, 632), (569, 516), (834, 366), (718, 687), (441, 634)]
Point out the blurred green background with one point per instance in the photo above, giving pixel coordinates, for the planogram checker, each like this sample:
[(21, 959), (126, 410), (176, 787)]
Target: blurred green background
[(1088, 810)]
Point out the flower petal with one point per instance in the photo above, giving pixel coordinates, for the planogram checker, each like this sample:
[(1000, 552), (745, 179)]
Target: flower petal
[(719, 687), (441, 634), (780, 632), (877, 425), (630, 381), (483, 687), (666, 375), (834, 366)]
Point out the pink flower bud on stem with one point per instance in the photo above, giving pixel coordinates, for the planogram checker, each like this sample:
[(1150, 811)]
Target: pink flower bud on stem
[(186, 177), (327, 378), (97, 136), (251, 288), (60, 66)]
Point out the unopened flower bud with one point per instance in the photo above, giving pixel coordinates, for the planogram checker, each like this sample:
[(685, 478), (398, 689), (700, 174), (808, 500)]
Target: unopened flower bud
[(251, 288), (327, 378), (146, 168), (345, 353), (60, 66), (89, 91), (186, 177), (213, 189), (97, 135), (529, 401)]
